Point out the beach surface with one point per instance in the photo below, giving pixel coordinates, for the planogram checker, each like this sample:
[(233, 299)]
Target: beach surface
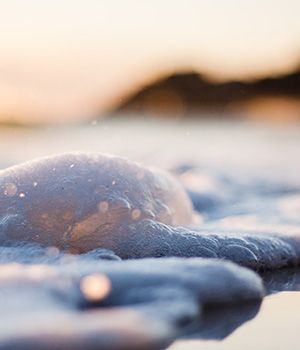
[(248, 174)]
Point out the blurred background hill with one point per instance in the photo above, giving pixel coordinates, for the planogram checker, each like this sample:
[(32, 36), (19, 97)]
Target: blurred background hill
[(79, 61), (190, 94), (76, 61)]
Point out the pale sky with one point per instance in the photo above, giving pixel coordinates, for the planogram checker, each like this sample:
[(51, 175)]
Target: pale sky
[(66, 58)]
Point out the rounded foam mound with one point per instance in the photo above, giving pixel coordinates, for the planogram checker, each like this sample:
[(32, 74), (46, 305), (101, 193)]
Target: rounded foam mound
[(80, 202)]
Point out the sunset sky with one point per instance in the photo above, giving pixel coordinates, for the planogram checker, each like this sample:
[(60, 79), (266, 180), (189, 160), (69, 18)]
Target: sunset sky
[(68, 58)]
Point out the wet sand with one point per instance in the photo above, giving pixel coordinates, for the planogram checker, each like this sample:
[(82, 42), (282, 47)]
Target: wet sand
[(270, 325), (275, 327)]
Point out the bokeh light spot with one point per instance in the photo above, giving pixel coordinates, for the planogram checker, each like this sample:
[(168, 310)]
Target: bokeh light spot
[(95, 287)]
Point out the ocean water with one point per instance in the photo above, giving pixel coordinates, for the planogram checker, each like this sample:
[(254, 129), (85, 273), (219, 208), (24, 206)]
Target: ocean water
[(260, 148), (248, 175)]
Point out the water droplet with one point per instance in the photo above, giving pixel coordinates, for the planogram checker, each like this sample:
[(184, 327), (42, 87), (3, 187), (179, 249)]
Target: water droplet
[(136, 213), (103, 207), (52, 251), (22, 195), (10, 189)]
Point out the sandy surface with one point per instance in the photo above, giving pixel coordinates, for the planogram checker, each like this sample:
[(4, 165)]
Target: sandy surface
[(276, 327)]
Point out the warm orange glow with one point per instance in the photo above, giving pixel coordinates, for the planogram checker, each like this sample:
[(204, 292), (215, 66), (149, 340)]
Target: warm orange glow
[(95, 287), (283, 110), (62, 61)]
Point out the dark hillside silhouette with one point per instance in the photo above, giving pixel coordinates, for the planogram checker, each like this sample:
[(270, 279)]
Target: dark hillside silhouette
[(185, 93)]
